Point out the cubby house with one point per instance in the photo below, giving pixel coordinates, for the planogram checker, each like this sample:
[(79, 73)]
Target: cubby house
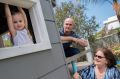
[(42, 60)]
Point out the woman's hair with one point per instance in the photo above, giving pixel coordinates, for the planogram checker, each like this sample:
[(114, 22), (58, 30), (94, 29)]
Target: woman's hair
[(109, 56)]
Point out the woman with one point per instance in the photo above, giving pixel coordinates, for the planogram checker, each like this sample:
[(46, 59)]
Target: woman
[(102, 68)]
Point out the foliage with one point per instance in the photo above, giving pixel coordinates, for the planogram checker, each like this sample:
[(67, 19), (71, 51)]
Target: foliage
[(114, 3), (107, 41), (98, 1), (92, 38), (100, 34), (118, 30), (86, 27), (116, 50), (103, 32)]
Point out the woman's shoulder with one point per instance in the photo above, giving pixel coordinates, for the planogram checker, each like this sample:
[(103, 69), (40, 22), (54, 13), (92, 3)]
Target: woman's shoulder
[(88, 68), (87, 72), (114, 70)]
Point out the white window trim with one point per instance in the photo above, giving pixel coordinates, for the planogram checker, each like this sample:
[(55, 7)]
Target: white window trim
[(39, 28)]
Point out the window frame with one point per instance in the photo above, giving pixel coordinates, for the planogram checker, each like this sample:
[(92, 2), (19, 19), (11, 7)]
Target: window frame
[(39, 29)]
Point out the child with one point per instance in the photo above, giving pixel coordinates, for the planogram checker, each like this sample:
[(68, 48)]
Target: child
[(18, 26)]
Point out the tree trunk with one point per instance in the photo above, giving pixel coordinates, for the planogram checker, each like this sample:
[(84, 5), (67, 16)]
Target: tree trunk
[(118, 16), (116, 7)]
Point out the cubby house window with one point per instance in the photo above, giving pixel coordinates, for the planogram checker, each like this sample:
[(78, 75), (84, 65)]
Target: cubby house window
[(5, 35), (36, 26)]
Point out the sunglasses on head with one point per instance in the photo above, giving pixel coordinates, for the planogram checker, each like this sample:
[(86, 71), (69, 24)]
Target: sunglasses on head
[(100, 57)]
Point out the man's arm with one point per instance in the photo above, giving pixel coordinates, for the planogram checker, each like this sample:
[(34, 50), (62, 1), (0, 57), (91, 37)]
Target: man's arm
[(66, 39), (79, 41)]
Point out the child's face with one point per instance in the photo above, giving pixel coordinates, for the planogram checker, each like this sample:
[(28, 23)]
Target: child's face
[(18, 21)]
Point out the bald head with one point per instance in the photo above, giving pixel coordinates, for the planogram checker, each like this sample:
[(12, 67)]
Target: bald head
[(70, 20)]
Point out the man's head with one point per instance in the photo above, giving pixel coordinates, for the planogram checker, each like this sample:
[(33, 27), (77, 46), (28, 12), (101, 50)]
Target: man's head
[(68, 25)]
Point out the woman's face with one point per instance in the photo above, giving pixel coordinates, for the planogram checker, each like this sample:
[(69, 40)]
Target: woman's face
[(99, 59)]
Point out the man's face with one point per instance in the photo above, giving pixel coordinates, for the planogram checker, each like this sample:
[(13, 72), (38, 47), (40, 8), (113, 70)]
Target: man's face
[(68, 25)]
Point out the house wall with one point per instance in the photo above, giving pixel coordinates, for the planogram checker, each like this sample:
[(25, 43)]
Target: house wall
[(112, 23), (47, 64)]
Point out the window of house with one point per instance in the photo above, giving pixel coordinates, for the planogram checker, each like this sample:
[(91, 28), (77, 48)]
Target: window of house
[(36, 26)]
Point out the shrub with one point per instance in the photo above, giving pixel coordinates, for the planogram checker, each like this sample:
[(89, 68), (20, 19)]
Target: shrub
[(116, 50)]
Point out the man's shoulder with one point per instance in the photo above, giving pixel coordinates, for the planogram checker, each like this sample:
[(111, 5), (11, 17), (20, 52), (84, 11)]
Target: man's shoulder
[(61, 31), (74, 34)]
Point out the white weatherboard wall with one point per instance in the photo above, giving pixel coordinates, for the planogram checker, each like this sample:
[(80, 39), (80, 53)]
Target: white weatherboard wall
[(44, 64)]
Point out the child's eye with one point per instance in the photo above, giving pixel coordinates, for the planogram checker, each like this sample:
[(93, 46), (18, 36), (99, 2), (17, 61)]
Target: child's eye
[(15, 22), (20, 21)]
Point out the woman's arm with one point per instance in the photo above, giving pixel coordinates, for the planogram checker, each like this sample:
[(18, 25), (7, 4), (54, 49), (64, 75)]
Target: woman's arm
[(9, 20), (24, 16), (76, 76)]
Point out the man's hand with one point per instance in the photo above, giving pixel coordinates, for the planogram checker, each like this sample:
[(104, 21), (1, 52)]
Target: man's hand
[(81, 41), (75, 40)]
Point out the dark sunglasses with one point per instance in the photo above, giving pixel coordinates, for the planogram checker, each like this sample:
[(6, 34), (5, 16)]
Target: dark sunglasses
[(100, 57)]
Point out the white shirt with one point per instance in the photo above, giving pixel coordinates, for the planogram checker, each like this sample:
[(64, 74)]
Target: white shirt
[(22, 38)]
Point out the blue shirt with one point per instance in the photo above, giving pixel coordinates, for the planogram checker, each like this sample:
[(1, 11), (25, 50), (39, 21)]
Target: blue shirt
[(89, 73)]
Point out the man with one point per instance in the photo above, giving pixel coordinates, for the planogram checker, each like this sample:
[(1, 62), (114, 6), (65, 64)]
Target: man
[(67, 36)]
